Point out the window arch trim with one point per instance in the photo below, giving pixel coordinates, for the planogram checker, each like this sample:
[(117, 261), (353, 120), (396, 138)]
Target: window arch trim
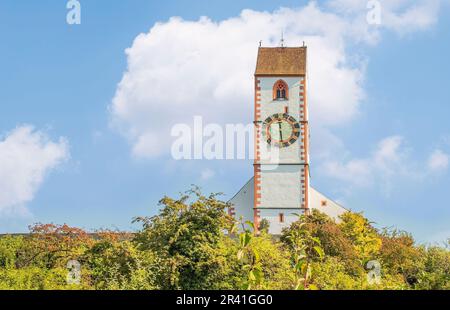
[(280, 90)]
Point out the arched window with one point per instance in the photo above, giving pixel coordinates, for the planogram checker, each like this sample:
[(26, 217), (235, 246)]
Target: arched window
[(280, 90)]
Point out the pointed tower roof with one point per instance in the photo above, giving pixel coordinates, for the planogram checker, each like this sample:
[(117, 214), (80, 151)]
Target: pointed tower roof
[(286, 61)]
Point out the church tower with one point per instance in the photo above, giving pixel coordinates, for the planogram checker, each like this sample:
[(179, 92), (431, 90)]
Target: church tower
[(280, 187), (281, 165)]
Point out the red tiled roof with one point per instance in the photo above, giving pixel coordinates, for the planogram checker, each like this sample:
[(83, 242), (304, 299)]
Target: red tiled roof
[(281, 61)]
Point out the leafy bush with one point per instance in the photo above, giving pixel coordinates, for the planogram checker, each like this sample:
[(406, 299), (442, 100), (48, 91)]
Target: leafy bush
[(363, 236), (192, 244), (188, 238), (119, 265), (436, 272), (9, 248)]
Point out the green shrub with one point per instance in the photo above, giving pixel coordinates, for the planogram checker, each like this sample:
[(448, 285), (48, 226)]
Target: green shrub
[(190, 245)]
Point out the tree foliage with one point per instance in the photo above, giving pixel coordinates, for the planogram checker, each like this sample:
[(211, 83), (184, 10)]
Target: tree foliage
[(192, 243), (188, 237)]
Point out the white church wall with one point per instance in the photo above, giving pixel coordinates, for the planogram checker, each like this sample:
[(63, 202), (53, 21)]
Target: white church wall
[(280, 187), (242, 202), (325, 205), (242, 205)]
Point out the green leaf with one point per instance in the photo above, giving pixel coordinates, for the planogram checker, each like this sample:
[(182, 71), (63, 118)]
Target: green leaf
[(303, 267), (258, 274), (242, 240), (247, 239), (319, 251), (240, 254), (234, 228), (251, 276), (316, 240), (256, 255)]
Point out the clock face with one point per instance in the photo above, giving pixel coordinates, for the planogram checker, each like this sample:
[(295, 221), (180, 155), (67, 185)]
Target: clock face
[(281, 130)]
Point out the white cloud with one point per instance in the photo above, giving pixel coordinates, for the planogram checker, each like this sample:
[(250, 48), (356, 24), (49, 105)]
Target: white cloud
[(438, 161), (182, 68), (26, 157), (207, 174), (389, 162), (390, 158), (357, 171)]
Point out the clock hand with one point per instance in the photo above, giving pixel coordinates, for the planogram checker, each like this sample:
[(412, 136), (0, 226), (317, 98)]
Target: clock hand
[(281, 132)]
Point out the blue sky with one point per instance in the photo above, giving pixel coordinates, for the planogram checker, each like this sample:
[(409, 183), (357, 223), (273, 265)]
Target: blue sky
[(63, 80)]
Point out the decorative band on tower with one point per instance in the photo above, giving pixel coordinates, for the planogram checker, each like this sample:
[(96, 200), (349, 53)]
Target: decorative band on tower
[(304, 147), (257, 152)]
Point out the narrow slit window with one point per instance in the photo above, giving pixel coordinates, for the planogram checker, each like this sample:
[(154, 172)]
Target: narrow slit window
[(281, 216)]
